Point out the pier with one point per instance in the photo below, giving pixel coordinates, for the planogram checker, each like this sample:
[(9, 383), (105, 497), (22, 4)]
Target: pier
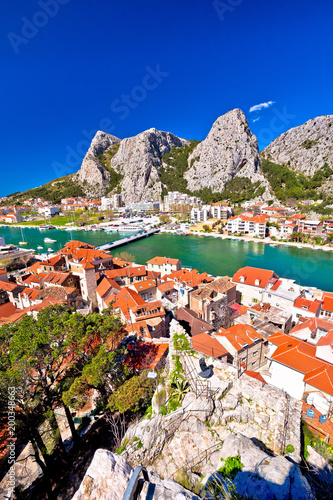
[(127, 239)]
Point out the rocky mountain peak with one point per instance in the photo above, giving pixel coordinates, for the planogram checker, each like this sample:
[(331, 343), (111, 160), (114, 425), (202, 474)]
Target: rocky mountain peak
[(92, 172), (305, 148), (229, 150), (101, 142), (139, 159)]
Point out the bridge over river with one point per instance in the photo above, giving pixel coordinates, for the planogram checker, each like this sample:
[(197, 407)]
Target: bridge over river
[(127, 239)]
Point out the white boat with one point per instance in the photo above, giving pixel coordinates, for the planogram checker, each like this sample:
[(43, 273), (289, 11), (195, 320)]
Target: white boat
[(39, 247), (23, 242), (48, 240), (50, 250)]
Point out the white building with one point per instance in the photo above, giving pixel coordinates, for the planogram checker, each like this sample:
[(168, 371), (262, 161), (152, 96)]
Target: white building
[(200, 214), (49, 211), (177, 198), (243, 224), (221, 211), (251, 283), (282, 293)]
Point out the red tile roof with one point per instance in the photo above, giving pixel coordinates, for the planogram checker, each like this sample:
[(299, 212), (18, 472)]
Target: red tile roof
[(276, 285), (190, 277), (7, 310), (313, 324), (239, 335), (163, 260), (143, 285), (106, 286), (321, 378), (298, 355), (128, 299), (327, 339), (279, 338), (166, 286), (208, 345), (308, 305), (255, 375), (328, 302), (251, 274)]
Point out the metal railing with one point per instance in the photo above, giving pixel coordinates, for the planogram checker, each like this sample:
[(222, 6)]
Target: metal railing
[(132, 487), (198, 459), (199, 386)]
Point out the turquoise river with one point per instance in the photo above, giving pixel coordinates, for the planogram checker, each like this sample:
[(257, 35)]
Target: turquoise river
[(213, 255)]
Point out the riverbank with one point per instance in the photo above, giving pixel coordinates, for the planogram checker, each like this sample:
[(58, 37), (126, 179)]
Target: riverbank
[(266, 241)]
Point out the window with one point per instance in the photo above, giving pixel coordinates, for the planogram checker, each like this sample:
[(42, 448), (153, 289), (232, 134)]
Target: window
[(255, 353), (269, 295), (254, 363)]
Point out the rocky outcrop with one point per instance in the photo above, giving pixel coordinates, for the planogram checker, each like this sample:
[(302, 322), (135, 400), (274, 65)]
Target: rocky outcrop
[(108, 476), (230, 150), (92, 172), (306, 148), (139, 159)]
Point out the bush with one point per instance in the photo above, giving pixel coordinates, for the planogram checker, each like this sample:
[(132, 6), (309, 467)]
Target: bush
[(289, 449), (181, 342), (232, 465)]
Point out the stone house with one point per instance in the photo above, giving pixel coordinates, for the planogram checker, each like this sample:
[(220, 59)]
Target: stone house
[(211, 301), (246, 347)]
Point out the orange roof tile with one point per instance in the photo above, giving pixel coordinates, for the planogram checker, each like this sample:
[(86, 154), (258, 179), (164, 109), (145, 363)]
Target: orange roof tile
[(106, 286), (328, 302), (163, 260), (327, 339), (308, 305), (206, 344), (251, 274), (255, 375), (321, 378), (298, 355), (279, 338), (239, 335), (190, 277), (144, 285), (7, 310), (313, 324)]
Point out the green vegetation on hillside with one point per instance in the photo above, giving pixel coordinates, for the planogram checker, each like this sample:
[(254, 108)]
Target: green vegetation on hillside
[(54, 191), (172, 174), (105, 159), (289, 184), (236, 190), (107, 155), (175, 164)]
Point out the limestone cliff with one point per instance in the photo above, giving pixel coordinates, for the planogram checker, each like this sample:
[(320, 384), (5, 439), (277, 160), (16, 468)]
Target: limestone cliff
[(92, 171), (230, 150), (133, 168), (305, 148), (139, 159)]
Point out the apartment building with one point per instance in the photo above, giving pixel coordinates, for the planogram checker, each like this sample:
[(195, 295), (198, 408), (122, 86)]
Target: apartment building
[(251, 225)]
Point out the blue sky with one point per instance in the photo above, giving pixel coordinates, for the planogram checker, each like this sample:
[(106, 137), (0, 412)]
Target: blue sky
[(71, 67)]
